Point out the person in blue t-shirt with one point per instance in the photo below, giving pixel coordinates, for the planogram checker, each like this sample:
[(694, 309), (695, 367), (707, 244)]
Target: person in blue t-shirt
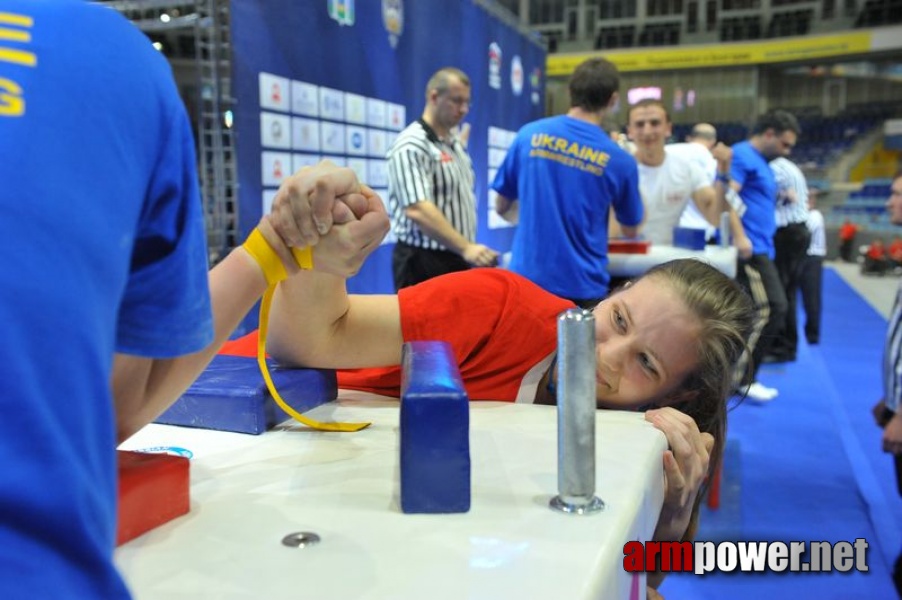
[(774, 134), (560, 180), (108, 310)]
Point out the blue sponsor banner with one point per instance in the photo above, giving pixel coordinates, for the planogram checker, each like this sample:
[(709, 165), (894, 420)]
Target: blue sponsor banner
[(339, 79)]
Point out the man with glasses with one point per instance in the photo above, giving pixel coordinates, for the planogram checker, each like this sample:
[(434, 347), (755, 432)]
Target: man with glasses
[(773, 135), (430, 188)]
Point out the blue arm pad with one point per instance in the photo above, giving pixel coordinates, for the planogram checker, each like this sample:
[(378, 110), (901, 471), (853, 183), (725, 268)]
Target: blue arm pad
[(435, 431), (691, 239), (230, 395)]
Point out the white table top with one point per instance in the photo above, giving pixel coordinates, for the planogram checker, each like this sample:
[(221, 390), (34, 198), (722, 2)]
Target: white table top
[(632, 265), (248, 492)]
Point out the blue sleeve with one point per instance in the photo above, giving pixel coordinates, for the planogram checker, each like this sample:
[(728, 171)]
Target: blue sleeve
[(628, 207), (166, 309), (739, 166), (505, 182)]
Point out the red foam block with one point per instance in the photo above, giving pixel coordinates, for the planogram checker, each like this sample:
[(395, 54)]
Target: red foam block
[(153, 489), (628, 246)]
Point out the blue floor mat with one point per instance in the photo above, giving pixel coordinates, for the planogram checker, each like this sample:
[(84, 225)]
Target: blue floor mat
[(807, 466)]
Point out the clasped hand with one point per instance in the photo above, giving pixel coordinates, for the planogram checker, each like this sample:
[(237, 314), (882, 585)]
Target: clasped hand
[(325, 207)]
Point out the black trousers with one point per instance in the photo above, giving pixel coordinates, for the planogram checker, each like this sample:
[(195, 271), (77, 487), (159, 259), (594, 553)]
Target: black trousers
[(845, 250), (791, 243), (770, 298), (883, 415), (412, 265), (810, 277)]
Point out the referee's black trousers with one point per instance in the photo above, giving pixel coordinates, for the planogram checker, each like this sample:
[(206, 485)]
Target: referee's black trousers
[(412, 265)]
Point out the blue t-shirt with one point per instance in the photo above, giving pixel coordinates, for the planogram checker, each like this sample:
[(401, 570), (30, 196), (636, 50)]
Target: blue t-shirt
[(103, 250), (567, 174), (758, 195)]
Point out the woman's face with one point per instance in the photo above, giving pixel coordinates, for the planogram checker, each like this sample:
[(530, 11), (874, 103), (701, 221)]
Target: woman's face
[(645, 345)]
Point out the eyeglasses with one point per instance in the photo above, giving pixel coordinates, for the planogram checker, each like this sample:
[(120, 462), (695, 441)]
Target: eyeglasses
[(460, 101)]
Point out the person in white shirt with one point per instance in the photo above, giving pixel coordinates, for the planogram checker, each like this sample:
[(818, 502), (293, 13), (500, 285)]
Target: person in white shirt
[(810, 272), (668, 182)]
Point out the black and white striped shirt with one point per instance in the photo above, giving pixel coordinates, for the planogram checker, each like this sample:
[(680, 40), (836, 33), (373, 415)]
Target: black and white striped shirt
[(792, 192), (892, 357), (423, 167)]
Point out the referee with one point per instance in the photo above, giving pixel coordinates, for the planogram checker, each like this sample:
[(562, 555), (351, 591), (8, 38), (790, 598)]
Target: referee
[(430, 188), (791, 242)]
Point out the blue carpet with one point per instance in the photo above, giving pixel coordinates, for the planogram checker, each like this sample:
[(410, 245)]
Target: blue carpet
[(808, 466)]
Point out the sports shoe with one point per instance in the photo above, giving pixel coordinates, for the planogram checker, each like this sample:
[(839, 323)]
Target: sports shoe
[(761, 393)]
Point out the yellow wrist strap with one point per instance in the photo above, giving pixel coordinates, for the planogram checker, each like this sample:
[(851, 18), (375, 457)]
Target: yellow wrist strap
[(304, 257), (274, 271)]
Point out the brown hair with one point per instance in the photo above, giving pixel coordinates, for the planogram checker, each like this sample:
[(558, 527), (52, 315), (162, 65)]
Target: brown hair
[(726, 315), (593, 83), (645, 103)]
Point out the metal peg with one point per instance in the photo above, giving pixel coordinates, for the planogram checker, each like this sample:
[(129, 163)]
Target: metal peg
[(576, 414)]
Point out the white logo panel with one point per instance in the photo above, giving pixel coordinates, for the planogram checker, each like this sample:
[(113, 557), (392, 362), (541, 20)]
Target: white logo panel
[(496, 157), (276, 166), (275, 130), (355, 109), (358, 165), (274, 92), (304, 99), (305, 134), (355, 140), (377, 174), (375, 142), (397, 117), (331, 104), (332, 137), (375, 113)]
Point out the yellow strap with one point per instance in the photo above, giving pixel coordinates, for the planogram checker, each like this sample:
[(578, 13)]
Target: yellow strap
[(266, 257), (273, 269), (304, 257)]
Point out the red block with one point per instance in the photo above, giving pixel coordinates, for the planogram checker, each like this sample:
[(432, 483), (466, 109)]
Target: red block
[(627, 246), (153, 489)]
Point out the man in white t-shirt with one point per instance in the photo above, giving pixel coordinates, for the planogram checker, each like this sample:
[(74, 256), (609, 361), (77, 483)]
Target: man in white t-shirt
[(810, 272), (667, 182)]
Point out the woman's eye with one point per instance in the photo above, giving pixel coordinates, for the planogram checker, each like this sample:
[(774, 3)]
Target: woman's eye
[(647, 364), (619, 321)]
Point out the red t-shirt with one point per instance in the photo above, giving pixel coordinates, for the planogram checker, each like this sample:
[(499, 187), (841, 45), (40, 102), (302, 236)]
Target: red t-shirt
[(876, 252), (895, 250), (501, 326), (847, 231)]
